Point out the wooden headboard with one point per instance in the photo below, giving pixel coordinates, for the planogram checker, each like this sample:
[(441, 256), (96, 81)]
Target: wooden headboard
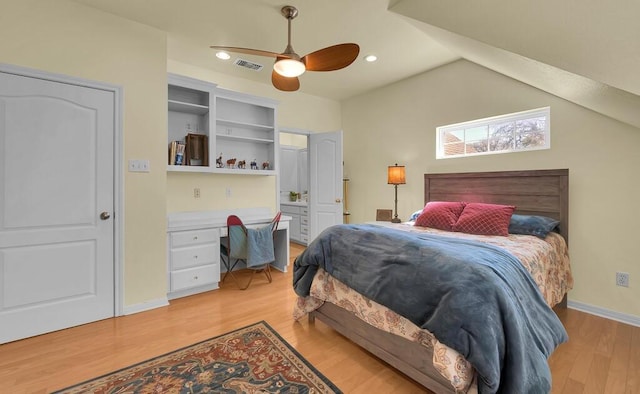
[(535, 192)]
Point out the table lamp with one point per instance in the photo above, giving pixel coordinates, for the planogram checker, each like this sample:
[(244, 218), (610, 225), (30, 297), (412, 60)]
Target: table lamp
[(395, 177)]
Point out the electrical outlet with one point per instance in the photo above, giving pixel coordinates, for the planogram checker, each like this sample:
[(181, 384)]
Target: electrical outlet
[(622, 279), (196, 192)]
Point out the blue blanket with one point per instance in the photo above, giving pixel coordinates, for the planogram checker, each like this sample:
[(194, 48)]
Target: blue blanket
[(260, 246), (475, 298)]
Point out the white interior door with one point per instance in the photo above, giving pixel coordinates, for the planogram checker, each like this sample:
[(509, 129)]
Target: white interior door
[(325, 181), (56, 178)]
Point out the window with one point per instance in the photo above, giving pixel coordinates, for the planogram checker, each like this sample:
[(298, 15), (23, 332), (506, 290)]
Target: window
[(521, 131)]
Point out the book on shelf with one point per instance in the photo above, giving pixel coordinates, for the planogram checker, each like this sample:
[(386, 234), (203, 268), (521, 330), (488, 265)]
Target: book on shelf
[(176, 153), (172, 152), (180, 154)]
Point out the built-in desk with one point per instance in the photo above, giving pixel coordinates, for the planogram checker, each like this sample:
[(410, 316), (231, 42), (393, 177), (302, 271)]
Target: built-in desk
[(193, 246)]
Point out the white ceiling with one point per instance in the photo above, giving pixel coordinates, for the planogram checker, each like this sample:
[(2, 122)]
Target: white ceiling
[(194, 25), (587, 53)]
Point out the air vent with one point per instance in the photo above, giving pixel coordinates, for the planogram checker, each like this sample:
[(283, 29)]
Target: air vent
[(247, 64)]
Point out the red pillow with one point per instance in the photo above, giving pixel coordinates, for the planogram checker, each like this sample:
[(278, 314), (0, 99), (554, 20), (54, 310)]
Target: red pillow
[(485, 219), (440, 214)]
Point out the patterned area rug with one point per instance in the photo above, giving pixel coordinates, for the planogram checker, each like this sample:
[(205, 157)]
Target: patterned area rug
[(254, 359)]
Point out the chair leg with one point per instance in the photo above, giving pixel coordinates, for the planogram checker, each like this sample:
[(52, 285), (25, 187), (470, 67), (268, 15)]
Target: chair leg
[(253, 272), (230, 272), (267, 273)]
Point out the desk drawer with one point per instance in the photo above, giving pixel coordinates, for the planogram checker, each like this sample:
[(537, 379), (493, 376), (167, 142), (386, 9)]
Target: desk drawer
[(304, 220), (288, 209), (194, 256), (187, 238), (193, 277), (304, 229)]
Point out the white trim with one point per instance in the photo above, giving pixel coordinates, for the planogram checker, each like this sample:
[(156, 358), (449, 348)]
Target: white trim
[(118, 202), (516, 115), (118, 168), (486, 122), (606, 313), (145, 306), (193, 290)]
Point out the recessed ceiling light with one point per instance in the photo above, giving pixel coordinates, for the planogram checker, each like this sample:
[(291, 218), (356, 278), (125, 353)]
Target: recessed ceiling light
[(223, 55), (371, 58)]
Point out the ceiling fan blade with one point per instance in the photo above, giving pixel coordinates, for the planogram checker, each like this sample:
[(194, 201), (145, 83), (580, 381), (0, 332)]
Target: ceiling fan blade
[(331, 58), (284, 83), (248, 51)]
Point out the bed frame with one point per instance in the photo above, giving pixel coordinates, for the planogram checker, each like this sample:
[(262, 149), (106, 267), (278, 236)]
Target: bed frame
[(537, 192)]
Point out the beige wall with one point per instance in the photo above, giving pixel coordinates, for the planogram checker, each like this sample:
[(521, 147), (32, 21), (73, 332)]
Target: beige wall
[(397, 124), (297, 140), (66, 38)]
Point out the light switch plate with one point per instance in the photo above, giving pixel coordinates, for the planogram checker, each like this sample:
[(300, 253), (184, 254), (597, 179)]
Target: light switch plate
[(138, 165)]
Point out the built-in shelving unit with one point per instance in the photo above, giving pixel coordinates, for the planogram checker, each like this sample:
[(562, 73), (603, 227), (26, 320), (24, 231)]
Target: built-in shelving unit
[(246, 130), (233, 124)]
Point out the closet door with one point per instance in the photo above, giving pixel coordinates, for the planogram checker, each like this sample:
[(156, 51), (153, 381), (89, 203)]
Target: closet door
[(56, 205)]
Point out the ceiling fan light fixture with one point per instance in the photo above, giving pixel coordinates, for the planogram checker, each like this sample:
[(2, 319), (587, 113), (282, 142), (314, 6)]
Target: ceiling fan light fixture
[(223, 55), (289, 67)]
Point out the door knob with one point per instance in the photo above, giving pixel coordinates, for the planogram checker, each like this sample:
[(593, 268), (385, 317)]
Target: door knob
[(105, 215), (338, 200)]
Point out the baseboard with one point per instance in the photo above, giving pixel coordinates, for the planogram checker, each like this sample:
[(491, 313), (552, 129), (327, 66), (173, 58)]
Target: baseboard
[(606, 313), (145, 306)]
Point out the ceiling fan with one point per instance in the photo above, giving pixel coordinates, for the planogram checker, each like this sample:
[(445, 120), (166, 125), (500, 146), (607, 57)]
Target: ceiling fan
[(289, 65)]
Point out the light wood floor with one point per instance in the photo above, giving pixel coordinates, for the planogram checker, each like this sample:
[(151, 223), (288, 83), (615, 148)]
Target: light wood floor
[(602, 356)]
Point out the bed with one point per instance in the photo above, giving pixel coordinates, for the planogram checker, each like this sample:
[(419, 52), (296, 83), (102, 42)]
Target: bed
[(415, 351)]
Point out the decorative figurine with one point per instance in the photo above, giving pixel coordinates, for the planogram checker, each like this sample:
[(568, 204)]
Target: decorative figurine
[(265, 165), (219, 161), (254, 165), (231, 162), (242, 164)]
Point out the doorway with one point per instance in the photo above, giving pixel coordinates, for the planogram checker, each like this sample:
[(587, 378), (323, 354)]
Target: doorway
[(310, 181)]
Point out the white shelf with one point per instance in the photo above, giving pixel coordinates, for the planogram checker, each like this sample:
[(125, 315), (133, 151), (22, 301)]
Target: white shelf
[(237, 171), (251, 126), (232, 137), (180, 106), (215, 170)]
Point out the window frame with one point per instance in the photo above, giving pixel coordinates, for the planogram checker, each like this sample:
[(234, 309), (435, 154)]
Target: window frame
[(488, 122)]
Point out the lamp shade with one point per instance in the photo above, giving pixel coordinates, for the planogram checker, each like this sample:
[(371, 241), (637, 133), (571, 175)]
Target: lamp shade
[(395, 175)]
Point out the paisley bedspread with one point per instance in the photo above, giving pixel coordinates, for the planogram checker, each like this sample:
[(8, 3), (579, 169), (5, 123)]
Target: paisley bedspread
[(546, 260)]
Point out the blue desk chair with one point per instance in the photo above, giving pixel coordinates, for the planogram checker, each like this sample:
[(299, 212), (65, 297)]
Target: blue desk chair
[(253, 247)]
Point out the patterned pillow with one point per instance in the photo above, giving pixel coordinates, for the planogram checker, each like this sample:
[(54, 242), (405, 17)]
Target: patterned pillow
[(415, 215), (539, 226), (485, 219), (440, 214)]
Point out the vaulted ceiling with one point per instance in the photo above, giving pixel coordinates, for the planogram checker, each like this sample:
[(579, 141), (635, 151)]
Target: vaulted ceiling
[(585, 52)]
